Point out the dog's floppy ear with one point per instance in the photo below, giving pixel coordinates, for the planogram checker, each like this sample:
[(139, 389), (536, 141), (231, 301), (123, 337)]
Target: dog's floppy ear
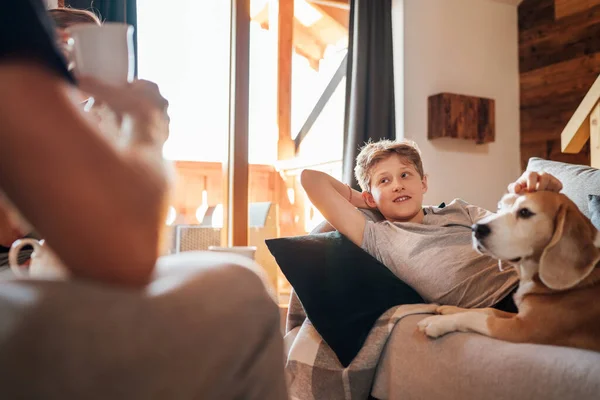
[(572, 253)]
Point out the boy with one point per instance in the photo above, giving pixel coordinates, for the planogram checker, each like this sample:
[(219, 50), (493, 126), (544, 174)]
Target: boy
[(413, 242)]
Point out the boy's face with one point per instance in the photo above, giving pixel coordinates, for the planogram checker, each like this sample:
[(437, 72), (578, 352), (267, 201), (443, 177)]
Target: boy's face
[(397, 190)]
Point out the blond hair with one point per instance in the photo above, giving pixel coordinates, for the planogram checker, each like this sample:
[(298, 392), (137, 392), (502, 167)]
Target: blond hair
[(374, 152), (65, 17)]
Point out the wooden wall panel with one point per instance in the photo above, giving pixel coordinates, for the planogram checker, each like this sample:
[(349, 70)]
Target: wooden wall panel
[(559, 59), (568, 78), (564, 8), (559, 40), (533, 13)]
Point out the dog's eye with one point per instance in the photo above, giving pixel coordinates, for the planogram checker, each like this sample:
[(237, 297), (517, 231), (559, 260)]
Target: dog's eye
[(525, 213)]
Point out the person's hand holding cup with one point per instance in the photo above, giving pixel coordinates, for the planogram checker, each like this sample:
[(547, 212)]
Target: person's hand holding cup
[(104, 65)]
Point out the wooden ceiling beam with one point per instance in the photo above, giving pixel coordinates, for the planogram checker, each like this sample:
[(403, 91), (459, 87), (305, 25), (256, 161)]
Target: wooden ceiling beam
[(344, 4), (340, 15), (281, 17)]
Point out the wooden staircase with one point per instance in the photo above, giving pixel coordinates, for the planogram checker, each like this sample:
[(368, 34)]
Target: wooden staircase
[(584, 125)]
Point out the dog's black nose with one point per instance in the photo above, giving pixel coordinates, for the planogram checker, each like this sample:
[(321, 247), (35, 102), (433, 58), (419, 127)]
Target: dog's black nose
[(481, 231)]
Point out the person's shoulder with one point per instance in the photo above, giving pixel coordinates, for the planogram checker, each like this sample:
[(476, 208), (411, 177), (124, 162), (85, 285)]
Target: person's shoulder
[(457, 211), (474, 212), (458, 202), (27, 32), (453, 206), (23, 18), (372, 214)]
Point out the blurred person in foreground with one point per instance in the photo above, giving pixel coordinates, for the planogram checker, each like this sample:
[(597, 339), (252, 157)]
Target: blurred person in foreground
[(198, 325)]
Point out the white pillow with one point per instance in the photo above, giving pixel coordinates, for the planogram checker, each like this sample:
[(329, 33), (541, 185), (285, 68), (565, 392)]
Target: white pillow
[(579, 181)]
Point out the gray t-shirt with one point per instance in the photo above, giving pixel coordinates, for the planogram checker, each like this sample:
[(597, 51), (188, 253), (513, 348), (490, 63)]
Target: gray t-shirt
[(440, 262)]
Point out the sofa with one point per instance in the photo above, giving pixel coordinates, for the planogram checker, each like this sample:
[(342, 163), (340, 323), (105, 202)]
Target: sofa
[(472, 366)]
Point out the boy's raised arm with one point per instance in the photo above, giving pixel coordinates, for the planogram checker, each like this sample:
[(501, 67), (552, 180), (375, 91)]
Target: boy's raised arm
[(337, 202)]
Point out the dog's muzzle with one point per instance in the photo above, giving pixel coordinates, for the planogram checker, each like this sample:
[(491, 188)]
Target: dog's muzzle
[(480, 232)]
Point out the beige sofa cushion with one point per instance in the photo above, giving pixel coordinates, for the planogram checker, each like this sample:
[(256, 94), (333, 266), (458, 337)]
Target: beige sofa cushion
[(472, 366), (578, 181)]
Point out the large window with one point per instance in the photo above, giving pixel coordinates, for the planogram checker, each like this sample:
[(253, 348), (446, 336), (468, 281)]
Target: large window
[(185, 47)]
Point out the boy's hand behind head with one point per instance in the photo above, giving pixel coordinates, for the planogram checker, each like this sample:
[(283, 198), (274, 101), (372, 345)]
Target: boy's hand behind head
[(532, 181)]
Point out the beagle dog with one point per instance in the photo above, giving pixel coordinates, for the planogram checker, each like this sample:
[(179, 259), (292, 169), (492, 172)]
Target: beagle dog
[(555, 248)]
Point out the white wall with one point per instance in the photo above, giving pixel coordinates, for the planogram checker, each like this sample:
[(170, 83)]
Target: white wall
[(466, 47), (52, 3)]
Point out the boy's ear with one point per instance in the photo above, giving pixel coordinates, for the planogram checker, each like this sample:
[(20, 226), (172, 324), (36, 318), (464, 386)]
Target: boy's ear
[(368, 198), (424, 182)]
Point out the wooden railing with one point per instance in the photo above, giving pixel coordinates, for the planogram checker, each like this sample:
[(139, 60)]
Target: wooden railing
[(584, 125), (265, 184)]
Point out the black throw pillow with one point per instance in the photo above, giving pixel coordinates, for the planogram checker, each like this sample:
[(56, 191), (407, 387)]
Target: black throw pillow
[(342, 288)]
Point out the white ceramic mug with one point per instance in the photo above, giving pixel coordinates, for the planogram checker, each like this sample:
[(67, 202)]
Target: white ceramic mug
[(44, 263), (246, 251), (103, 52)]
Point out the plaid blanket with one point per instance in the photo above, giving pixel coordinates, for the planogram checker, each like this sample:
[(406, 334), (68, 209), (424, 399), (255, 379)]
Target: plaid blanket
[(312, 368)]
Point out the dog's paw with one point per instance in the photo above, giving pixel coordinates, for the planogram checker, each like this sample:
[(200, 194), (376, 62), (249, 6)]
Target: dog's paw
[(437, 325), (449, 310)]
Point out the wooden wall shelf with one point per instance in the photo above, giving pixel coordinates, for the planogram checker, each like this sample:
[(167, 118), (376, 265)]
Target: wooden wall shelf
[(461, 117)]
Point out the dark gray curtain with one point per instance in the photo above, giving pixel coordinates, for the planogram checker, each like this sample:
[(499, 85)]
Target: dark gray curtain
[(370, 105), (112, 11)]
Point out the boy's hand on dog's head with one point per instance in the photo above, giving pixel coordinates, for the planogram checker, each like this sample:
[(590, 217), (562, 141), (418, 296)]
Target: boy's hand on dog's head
[(532, 181)]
